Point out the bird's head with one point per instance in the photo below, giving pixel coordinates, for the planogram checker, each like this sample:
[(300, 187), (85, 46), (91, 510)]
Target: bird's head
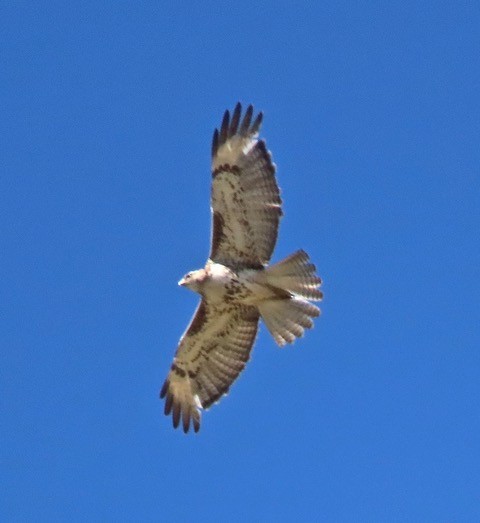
[(193, 280)]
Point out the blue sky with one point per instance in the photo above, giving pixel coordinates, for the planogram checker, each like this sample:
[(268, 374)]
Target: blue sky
[(372, 114)]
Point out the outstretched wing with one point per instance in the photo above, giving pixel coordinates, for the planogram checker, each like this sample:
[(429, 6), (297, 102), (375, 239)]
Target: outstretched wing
[(211, 354), (246, 204)]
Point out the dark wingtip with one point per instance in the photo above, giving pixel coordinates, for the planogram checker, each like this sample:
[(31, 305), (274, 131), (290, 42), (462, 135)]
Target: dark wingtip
[(186, 420), (196, 425), (262, 147), (231, 126), (237, 112), (191, 415), (215, 142), (257, 123), (179, 412), (164, 389), (168, 404), (244, 129), (176, 414), (225, 126)]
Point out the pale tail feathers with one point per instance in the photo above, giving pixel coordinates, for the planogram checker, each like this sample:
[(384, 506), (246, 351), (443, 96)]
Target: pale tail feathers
[(294, 282), (295, 274), (287, 318)]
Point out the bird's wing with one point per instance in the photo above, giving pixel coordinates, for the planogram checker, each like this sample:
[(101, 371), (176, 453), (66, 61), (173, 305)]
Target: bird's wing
[(211, 354), (245, 199)]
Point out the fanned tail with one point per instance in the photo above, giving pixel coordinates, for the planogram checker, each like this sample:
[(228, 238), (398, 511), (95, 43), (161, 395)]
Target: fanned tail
[(288, 312)]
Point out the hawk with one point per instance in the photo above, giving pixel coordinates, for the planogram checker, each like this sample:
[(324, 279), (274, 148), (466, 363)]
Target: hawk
[(237, 286)]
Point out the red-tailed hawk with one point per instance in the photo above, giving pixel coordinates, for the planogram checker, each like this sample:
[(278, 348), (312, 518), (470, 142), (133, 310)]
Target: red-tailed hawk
[(237, 287)]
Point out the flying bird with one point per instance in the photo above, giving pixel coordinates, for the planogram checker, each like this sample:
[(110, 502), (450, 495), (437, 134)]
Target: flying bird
[(237, 286)]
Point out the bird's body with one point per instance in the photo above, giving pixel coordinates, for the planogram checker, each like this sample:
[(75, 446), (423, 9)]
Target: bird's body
[(237, 286), (217, 283)]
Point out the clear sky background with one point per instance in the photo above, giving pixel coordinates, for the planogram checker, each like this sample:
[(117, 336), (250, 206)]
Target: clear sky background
[(372, 114)]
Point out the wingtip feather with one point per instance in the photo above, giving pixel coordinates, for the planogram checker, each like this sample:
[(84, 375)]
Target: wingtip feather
[(257, 123), (244, 128), (180, 408), (225, 126), (215, 142), (176, 414), (235, 120)]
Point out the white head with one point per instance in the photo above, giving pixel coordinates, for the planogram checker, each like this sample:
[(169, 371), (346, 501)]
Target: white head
[(194, 280)]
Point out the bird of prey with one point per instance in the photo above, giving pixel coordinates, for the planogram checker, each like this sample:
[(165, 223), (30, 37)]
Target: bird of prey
[(237, 286)]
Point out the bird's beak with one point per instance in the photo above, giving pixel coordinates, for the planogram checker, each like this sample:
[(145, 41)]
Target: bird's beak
[(182, 282)]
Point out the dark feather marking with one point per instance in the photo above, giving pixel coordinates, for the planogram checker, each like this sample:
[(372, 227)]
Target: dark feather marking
[(280, 294), (224, 128), (168, 403), (198, 320), (178, 370), (186, 418), (235, 120), (244, 128), (252, 265), (218, 234), (196, 420), (226, 168), (164, 389), (262, 148), (177, 410), (257, 123), (196, 357), (215, 143), (208, 349)]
